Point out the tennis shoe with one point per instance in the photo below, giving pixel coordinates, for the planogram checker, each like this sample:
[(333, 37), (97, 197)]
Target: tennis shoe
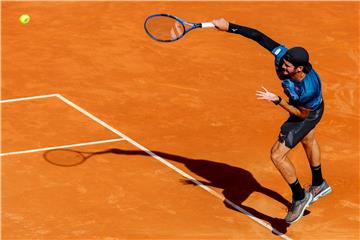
[(297, 208), (320, 191)]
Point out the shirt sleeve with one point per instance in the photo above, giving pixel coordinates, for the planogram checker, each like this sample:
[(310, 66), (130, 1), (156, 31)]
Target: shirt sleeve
[(255, 35)]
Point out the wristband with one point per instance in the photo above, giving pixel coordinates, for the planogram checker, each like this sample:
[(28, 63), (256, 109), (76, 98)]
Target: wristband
[(277, 101)]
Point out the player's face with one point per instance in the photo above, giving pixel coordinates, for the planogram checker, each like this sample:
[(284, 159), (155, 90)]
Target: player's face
[(287, 68)]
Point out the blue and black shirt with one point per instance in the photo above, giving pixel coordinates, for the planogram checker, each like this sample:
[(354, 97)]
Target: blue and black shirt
[(306, 93)]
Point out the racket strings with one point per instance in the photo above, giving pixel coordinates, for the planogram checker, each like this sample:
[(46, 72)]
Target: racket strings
[(165, 28)]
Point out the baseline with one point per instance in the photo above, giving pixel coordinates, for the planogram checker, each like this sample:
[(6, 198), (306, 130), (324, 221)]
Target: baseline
[(28, 98)]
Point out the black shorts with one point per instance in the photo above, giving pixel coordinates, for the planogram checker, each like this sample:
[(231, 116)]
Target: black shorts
[(295, 128)]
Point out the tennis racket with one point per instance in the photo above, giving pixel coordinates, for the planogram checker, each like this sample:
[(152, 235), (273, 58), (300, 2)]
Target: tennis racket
[(168, 28), (68, 157)]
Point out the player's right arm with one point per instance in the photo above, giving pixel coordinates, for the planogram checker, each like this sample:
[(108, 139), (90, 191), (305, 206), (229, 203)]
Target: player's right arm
[(298, 111), (247, 32)]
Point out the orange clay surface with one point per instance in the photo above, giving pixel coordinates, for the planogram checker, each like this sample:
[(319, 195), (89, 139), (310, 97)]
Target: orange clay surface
[(191, 102)]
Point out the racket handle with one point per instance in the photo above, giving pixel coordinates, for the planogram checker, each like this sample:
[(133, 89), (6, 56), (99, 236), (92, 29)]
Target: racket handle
[(207, 25)]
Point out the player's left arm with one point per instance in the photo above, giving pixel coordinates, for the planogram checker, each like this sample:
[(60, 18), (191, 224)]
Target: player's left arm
[(251, 33), (300, 112)]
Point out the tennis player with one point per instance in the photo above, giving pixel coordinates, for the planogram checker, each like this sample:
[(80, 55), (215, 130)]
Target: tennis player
[(302, 86)]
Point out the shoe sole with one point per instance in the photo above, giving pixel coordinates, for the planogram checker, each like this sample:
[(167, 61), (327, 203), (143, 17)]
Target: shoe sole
[(302, 212), (322, 194)]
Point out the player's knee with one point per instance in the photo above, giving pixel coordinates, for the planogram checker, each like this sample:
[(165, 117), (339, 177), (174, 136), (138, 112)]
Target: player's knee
[(276, 156), (276, 159)]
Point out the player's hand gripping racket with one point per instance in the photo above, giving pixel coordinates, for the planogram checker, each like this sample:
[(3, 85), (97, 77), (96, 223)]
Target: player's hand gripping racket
[(168, 28)]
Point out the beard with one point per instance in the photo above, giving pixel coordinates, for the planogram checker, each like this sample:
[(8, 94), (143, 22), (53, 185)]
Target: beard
[(282, 74)]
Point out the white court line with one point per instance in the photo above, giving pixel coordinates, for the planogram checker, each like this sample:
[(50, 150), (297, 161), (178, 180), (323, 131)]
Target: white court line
[(28, 98), (168, 164), (61, 147)]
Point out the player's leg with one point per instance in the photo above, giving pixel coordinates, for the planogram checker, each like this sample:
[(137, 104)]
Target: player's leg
[(279, 157), (319, 187), (301, 199), (311, 148)]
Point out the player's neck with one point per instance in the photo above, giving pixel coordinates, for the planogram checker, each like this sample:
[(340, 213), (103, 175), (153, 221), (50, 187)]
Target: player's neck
[(299, 76)]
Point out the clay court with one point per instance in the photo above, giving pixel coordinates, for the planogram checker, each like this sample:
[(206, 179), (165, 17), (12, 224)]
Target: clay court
[(180, 145)]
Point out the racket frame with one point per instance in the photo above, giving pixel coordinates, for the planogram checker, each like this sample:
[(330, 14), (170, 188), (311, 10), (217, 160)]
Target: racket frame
[(192, 24)]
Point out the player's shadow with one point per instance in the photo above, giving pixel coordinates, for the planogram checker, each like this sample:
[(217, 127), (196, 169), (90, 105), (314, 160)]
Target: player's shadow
[(237, 183)]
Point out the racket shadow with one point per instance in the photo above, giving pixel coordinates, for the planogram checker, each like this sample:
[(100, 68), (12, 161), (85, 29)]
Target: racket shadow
[(68, 157), (237, 183)]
